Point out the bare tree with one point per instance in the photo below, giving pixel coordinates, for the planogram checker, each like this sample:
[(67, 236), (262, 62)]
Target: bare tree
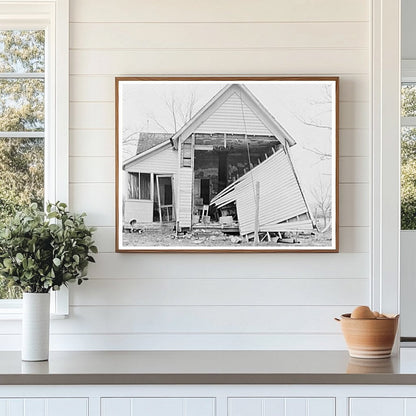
[(320, 120), (322, 195), (180, 111)]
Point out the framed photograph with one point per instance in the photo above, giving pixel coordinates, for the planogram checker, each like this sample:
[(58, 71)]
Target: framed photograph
[(227, 164)]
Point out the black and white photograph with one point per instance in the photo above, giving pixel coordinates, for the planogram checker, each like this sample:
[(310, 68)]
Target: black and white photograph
[(227, 164)]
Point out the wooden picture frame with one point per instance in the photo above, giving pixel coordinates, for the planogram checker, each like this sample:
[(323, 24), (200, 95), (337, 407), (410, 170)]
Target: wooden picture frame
[(227, 164)]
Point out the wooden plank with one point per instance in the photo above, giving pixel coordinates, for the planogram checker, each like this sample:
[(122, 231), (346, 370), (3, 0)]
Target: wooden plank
[(354, 142), (218, 11), (200, 320), (316, 265), (91, 88), (101, 88), (168, 341), (91, 169), (94, 143), (354, 204), (354, 170), (354, 240), (221, 35), (96, 199), (81, 116), (218, 292), (237, 62), (352, 115)]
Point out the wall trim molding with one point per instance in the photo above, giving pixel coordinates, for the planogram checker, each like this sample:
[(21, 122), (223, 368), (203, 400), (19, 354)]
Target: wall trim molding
[(385, 209)]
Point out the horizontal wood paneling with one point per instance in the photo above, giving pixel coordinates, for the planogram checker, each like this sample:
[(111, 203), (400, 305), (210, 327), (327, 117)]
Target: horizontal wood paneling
[(352, 115), (233, 62), (354, 170), (221, 291), (354, 142), (218, 11), (101, 88), (201, 319), (92, 169), (354, 208), (96, 199), (218, 35), (197, 266), (146, 342), (287, 296), (95, 143), (194, 320)]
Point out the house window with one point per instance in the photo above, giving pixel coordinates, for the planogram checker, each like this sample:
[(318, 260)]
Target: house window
[(408, 156), (139, 186), (33, 114), (22, 124), (186, 155)]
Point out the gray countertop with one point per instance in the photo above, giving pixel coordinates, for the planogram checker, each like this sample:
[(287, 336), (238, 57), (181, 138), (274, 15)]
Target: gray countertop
[(207, 367)]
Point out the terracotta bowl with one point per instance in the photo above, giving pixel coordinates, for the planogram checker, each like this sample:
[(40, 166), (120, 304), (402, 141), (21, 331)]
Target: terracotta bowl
[(369, 338)]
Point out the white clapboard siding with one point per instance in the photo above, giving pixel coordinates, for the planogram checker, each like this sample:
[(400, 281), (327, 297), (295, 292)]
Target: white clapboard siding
[(218, 11), (101, 88), (271, 406), (308, 265), (213, 301), (159, 406), (220, 292), (234, 116), (280, 196), (160, 162), (282, 61), (220, 35), (184, 197)]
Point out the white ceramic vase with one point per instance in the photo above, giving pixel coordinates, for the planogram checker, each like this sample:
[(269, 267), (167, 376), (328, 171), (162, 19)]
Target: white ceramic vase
[(35, 326)]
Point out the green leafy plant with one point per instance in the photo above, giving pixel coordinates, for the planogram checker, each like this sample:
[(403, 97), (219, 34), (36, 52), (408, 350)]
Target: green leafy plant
[(43, 251)]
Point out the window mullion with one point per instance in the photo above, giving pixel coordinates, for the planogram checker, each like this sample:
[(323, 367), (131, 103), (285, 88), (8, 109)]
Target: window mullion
[(22, 134), (22, 75)]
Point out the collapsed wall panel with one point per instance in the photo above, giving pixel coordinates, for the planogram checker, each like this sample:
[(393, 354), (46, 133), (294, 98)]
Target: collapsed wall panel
[(281, 203)]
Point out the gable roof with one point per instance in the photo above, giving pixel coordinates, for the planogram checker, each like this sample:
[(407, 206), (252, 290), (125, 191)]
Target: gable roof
[(148, 140), (234, 108)]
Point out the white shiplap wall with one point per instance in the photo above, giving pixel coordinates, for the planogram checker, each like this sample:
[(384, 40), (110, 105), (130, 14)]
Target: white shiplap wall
[(181, 301)]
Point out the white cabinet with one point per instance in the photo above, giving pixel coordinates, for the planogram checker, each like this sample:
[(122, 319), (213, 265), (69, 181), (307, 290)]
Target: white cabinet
[(146, 406), (44, 407), (382, 406), (281, 406)]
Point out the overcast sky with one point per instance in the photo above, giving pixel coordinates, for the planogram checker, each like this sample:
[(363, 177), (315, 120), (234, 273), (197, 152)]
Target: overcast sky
[(292, 103)]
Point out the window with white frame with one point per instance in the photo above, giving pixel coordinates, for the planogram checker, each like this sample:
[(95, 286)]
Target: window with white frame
[(33, 113), (408, 154)]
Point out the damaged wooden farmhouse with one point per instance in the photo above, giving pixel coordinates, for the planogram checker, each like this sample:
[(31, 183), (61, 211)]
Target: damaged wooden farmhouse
[(228, 168)]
